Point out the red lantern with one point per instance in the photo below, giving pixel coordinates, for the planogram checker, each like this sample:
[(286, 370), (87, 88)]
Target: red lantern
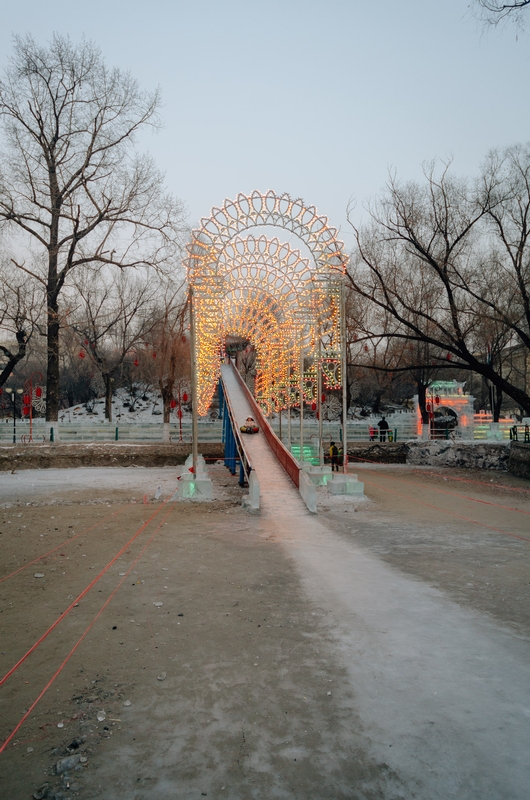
[(136, 362), (81, 354), (313, 406), (38, 391), (184, 398), (183, 340), (323, 398), (173, 403), (449, 356), (179, 414), (26, 399), (427, 406), (1, 390), (25, 411), (154, 355), (437, 400), (86, 341)]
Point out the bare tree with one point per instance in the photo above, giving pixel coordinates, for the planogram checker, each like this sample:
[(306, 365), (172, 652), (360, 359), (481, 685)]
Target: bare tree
[(114, 313), (170, 343), (73, 190), (494, 11), (447, 263)]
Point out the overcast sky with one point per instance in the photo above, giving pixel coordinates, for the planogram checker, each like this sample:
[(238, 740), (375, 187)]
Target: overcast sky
[(318, 99)]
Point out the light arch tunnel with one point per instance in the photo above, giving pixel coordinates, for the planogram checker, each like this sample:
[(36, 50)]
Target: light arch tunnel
[(265, 291)]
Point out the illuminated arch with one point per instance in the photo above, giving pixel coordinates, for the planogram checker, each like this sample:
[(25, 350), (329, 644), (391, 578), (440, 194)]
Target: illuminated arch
[(266, 291)]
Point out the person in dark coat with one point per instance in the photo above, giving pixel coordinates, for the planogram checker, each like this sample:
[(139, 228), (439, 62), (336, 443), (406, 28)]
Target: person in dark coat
[(383, 427)]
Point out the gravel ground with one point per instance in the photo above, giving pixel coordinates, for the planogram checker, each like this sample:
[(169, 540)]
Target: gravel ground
[(359, 654)]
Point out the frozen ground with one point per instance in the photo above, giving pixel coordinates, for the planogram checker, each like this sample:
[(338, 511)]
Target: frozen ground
[(376, 650)]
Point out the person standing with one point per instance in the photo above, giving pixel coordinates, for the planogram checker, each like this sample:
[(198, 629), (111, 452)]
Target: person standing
[(334, 455), (383, 427)]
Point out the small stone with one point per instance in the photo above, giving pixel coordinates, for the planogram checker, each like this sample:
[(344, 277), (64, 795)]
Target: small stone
[(329, 694), (41, 792), (83, 759), (102, 716), (64, 764), (39, 575), (122, 574), (29, 749), (60, 724), (161, 677), (158, 604), (127, 704)]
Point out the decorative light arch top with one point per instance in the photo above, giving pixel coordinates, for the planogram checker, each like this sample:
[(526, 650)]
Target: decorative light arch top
[(263, 209)]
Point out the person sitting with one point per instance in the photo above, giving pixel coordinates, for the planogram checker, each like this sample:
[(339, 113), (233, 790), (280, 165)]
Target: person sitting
[(249, 426)]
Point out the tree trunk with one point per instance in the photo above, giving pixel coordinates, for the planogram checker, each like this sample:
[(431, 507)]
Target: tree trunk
[(166, 389), (422, 402), (497, 403), (108, 381), (52, 375)]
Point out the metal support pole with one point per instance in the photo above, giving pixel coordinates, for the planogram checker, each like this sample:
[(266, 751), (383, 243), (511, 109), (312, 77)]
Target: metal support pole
[(14, 417), (319, 401), (344, 370), (30, 409), (301, 392), (194, 398)]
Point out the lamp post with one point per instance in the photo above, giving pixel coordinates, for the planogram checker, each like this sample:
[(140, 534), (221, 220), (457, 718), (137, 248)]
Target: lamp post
[(13, 392), (194, 386), (344, 371)]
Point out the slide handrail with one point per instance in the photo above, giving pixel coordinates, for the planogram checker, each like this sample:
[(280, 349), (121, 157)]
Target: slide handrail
[(284, 456), (243, 455)]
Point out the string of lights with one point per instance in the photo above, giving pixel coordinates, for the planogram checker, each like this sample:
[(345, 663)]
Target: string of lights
[(265, 291)]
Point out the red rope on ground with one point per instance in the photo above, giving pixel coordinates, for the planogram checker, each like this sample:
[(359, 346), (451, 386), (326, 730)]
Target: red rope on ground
[(60, 545), (480, 483), (452, 513), (454, 494), (449, 477), (76, 645), (77, 599)]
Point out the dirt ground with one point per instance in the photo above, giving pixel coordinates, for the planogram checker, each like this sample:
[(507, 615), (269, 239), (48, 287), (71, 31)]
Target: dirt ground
[(466, 532), (198, 647)]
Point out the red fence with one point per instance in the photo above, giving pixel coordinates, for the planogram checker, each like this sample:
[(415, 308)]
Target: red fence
[(286, 459)]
